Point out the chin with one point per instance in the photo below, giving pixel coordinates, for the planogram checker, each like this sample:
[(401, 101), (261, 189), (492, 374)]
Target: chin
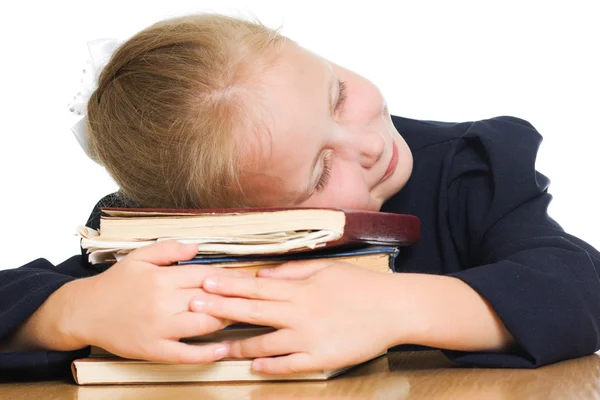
[(394, 184), (397, 184), (374, 206)]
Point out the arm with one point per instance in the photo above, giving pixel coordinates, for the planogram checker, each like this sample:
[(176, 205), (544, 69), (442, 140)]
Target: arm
[(22, 291), (541, 282), (443, 312), (46, 328), (27, 295)]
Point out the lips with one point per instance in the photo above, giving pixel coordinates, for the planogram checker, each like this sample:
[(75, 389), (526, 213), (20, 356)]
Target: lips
[(393, 162)]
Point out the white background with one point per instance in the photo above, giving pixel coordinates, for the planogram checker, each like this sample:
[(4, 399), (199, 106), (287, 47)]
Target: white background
[(452, 61)]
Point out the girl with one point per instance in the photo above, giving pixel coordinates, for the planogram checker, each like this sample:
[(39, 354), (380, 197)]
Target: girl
[(209, 111)]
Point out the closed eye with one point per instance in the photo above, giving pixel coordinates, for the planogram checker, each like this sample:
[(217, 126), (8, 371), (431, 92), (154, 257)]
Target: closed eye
[(324, 178)]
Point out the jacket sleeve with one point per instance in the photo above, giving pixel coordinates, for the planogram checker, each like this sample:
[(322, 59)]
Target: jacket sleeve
[(22, 292), (541, 281)]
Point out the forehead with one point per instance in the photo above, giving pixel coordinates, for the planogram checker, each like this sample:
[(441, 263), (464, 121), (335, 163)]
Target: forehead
[(294, 100)]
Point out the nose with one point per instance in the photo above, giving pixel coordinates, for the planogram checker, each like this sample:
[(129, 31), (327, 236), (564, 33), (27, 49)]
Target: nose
[(371, 149)]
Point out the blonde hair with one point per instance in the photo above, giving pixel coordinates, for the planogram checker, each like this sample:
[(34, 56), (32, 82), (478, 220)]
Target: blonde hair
[(163, 118)]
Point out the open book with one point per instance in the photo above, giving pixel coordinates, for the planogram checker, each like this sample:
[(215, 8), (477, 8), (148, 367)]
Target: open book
[(245, 231)]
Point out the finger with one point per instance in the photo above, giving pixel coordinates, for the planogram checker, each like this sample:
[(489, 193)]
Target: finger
[(300, 269), (164, 253), (192, 276), (256, 312), (179, 301), (191, 324), (253, 288), (290, 364), (282, 341), (175, 352)]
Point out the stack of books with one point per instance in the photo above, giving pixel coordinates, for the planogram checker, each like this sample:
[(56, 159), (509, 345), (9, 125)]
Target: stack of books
[(248, 239)]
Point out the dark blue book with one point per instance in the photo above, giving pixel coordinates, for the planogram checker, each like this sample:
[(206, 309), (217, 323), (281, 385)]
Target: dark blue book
[(378, 258)]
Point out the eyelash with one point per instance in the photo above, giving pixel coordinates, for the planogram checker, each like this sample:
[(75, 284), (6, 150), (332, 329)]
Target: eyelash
[(324, 178), (342, 97)]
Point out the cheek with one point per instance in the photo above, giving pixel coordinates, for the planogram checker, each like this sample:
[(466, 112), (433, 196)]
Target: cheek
[(346, 189)]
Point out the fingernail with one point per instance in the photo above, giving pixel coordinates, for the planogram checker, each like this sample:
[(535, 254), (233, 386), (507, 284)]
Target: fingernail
[(257, 365), (198, 305), (210, 284), (221, 351)]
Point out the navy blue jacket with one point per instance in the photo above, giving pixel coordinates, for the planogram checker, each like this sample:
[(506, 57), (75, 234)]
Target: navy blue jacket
[(483, 210)]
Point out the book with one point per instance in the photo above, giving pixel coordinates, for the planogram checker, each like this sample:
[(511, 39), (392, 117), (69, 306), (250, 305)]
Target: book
[(374, 258), (245, 231), (98, 370), (378, 379)]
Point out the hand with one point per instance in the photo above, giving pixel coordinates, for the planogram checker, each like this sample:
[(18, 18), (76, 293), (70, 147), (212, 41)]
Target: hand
[(139, 308), (336, 317)]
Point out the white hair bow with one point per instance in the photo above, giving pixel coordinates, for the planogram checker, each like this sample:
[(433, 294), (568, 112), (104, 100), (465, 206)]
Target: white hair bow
[(100, 52)]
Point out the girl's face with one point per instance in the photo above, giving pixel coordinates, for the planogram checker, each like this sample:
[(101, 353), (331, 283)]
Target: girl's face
[(332, 142)]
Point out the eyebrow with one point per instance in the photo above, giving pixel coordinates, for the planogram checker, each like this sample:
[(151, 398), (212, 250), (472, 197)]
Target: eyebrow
[(330, 93)]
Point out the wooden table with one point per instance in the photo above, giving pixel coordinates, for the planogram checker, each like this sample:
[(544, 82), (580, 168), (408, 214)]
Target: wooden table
[(414, 375)]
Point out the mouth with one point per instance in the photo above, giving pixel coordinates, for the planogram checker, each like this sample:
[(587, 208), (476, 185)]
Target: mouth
[(393, 162)]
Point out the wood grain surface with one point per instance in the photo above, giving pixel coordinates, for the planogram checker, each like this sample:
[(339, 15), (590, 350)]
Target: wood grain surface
[(399, 375)]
